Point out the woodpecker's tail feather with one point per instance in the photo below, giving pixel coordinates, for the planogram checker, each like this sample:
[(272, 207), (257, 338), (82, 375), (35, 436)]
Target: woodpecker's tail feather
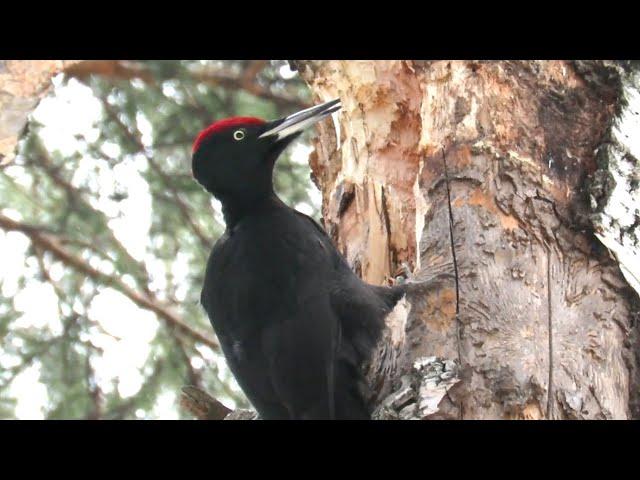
[(351, 391), (362, 309), (350, 400)]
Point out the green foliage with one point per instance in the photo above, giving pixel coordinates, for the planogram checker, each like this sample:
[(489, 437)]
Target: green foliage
[(136, 159)]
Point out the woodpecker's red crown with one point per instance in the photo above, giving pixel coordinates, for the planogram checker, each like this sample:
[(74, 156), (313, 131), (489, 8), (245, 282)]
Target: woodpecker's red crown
[(234, 158), (221, 125)]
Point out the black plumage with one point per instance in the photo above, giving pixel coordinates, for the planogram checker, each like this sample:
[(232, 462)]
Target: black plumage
[(294, 322)]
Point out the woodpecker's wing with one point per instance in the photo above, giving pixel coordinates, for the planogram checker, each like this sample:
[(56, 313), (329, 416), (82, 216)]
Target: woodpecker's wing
[(361, 309), (360, 306)]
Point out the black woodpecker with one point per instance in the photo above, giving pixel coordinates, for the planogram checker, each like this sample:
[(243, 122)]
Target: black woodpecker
[(294, 322)]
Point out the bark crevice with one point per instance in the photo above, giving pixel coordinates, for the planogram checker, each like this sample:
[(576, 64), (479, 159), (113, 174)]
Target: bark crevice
[(550, 328), (455, 270)]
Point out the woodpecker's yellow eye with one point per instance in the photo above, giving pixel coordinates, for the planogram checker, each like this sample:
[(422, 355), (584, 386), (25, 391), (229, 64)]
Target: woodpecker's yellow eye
[(238, 135)]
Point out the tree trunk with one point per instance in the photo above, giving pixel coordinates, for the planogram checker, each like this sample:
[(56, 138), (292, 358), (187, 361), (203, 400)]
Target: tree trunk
[(22, 84), (484, 170)]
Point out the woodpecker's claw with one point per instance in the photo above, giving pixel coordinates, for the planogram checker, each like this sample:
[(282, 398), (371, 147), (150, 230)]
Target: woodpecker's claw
[(413, 286)]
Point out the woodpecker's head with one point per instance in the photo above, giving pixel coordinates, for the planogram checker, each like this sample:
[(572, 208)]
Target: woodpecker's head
[(233, 158)]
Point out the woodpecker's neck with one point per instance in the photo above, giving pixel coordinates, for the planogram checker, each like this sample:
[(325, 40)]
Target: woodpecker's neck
[(234, 210)]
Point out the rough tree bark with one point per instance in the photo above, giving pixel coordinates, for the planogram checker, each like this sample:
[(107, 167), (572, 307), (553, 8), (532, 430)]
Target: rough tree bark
[(487, 170)]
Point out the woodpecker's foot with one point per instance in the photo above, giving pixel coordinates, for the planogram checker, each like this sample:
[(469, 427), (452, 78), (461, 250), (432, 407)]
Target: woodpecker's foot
[(402, 273)]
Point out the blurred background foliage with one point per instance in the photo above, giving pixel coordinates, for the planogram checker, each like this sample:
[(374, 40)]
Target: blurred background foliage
[(106, 235)]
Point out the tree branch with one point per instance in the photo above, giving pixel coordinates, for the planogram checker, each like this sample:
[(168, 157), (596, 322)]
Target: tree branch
[(202, 405), (137, 141), (246, 80), (147, 301), (76, 200), (118, 69)]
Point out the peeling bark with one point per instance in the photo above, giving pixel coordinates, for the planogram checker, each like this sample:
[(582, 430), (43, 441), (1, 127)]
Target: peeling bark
[(484, 170), (615, 187)]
